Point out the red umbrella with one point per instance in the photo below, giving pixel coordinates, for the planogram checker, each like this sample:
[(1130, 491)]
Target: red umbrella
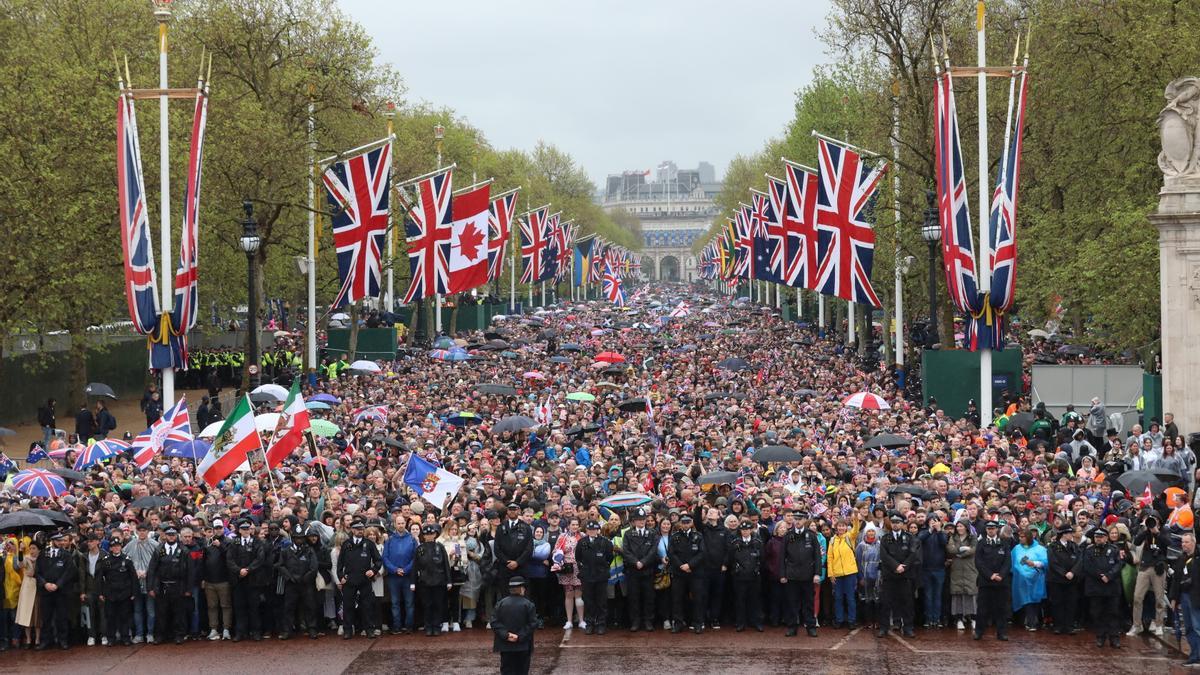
[(611, 357), (866, 401)]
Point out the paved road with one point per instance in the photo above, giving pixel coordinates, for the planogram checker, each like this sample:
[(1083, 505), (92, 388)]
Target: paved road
[(621, 653)]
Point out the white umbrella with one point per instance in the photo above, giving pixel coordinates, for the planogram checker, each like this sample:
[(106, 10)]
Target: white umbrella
[(266, 421), (211, 430), (366, 366), (1038, 333), (340, 316), (281, 333), (273, 390)]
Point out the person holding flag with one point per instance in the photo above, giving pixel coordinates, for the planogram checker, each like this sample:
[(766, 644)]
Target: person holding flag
[(432, 483), (290, 432)]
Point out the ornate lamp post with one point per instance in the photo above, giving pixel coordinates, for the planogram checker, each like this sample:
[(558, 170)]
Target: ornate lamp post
[(250, 243), (931, 231)]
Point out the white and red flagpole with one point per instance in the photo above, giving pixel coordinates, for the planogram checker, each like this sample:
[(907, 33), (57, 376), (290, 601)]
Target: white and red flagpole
[(162, 12), (985, 245)]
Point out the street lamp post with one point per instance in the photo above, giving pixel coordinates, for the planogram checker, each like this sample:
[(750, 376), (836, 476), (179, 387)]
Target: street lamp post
[(931, 231), (250, 243)]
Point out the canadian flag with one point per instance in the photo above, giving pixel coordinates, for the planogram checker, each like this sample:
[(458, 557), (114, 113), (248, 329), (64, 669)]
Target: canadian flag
[(468, 259)]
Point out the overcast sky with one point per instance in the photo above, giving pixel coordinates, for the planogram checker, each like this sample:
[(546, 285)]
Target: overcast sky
[(619, 84)]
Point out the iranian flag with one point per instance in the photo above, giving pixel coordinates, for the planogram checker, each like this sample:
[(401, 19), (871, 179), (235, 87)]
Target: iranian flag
[(232, 446), (468, 260), (289, 434)]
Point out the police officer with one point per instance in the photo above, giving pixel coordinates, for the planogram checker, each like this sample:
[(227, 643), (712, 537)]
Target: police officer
[(118, 584), (594, 555), (513, 546), (639, 548), (1100, 568), (1062, 585), (513, 622), (993, 562), (169, 578), (745, 561), (431, 569), (246, 557), (297, 566), (801, 569), (898, 556), (359, 562), (685, 560), (56, 575)]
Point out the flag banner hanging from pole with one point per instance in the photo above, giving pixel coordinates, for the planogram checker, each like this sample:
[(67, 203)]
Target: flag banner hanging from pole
[(428, 230), (614, 291), (800, 221), (141, 289), (596, 265), (358, 189), (954, 215), (845, 236), (1003, 215), (764, 245), (500, 217), (582, 270), (533, 243), (468, 250), (550, 234), (564, 241)]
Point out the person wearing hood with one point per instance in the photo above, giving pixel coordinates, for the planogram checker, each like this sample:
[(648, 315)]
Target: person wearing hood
[(866, 558), (964, 577), (399, 552), (537, 572), (297, 566), (795, 483), (1029, 563), (1080, 447)]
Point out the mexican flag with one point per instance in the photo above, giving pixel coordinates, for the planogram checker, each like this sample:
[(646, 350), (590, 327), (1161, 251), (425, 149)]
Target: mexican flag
[(232, 446), (293, 423)]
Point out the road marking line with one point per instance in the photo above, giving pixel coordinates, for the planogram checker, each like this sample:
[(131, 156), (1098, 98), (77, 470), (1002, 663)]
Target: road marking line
[(905, 643), (845, 639), (566, 639)]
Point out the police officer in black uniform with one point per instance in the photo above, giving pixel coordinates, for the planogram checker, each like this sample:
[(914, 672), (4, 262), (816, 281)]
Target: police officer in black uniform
[(432, 581), (685, 559), (1100, 567), (169, 577), (118, 584), (993, 562), (639, 548), (297, 565), (745, 563), (246, 557), (1062, 584), (56, 576), (593, 556), (513, 622), (898, 556), (801, 569), (513, 547), (358, 563)]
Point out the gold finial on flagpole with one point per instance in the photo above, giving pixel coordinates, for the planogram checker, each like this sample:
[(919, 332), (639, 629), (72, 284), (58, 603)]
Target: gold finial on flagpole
[(128, 80), (1016, 51)]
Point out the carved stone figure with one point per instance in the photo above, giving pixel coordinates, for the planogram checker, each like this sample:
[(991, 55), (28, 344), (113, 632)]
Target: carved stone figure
[(1179, 128)]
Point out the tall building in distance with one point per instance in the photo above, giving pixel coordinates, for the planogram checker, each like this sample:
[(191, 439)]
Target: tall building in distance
[(675, 207)]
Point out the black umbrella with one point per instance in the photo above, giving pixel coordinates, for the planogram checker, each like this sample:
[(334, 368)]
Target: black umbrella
[(494, 335), (777, 453), (633, 405), (69, 474), (613, 370), (514, 423), (548, 334), (19, 521), (1022, 421), (263, 397), (570, 347), (150, 502), (57, 516), (391, 442), (807, 392), (734, 364), (914, 490), (1135, 482), (887, 441), (560, 359), (718, 478), (494, 346), (581, 429), (99, 389), (496, 389)]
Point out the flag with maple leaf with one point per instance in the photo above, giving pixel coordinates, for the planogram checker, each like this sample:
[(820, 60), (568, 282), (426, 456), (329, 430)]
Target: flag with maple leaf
[(468, 260)]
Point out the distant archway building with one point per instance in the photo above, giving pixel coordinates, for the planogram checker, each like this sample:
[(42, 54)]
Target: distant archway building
[(675, 209)]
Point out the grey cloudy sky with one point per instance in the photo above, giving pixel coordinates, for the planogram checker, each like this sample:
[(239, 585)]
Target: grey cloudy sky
[(620, 84)]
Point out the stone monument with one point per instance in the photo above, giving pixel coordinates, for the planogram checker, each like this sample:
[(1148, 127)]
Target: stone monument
[(1178, 223)]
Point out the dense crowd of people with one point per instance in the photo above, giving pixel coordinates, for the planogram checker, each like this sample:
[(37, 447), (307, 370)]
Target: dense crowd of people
[(635, 499)]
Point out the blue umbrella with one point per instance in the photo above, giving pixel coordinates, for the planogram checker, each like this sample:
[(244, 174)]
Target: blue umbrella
[(325, 398), (193, 450), (317, 405)]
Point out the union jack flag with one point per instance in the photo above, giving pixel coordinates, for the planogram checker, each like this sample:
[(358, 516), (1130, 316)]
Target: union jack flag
[(428, 229), (776, 204), (744, 241), (358, 190), (140, 287), (564, 240), (377, 413), (845, 238), (186, 306), (500, 216), (954, 213), (611, 285), (799, 220), (533, 244), (1004, 211), (596, 268), (175, 426)]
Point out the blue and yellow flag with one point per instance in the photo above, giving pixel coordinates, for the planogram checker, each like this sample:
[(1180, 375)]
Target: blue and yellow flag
[(583, 261)]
